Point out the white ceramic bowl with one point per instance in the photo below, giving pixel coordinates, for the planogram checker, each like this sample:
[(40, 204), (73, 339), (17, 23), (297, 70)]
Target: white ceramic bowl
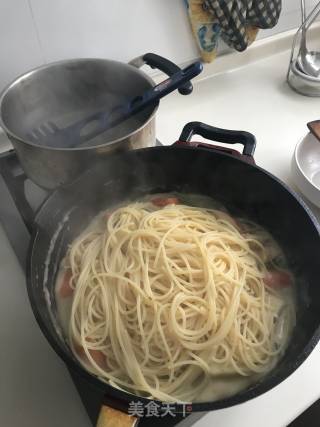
[(305, 168)]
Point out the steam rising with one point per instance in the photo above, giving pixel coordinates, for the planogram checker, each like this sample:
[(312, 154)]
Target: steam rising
[(68, 91)]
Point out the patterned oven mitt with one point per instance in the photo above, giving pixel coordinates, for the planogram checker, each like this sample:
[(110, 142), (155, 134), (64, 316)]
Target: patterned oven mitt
[(235, 21)]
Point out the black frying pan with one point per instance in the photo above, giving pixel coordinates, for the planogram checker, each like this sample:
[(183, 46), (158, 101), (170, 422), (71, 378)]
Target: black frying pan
[(224, 175)]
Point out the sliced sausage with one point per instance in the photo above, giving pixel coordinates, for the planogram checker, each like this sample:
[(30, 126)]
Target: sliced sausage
[(277, 279), (66, 290), (165, 201)]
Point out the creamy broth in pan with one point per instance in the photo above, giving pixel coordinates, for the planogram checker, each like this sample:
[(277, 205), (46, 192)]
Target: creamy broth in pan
[(170, 297)]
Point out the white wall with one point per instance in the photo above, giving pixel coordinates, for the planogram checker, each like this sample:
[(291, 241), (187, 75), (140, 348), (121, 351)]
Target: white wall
[(33, 32)]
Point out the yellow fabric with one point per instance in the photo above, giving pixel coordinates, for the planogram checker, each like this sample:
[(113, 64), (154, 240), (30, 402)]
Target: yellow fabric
[(206, 30)]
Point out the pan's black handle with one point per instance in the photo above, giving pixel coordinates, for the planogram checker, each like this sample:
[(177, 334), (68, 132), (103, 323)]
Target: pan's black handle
[(221, 135), (164, 65)]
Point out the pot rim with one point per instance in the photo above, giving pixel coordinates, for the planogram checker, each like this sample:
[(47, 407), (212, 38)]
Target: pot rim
[(255, 390), (27, 74)]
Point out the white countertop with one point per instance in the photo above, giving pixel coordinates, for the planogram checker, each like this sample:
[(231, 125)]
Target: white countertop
[(35, 388)]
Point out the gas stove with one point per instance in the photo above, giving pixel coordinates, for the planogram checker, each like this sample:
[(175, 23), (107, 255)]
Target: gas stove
[(20, 200)]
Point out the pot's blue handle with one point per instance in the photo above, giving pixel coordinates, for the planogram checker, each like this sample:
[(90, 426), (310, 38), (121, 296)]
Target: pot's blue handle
[(163, 64), (153, 95), (108, 119)]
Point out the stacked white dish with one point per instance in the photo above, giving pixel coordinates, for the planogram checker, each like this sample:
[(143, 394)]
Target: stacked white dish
[(305, 168)]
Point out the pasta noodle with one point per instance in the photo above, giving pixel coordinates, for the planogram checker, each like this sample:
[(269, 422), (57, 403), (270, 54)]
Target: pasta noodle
[(168, 299)]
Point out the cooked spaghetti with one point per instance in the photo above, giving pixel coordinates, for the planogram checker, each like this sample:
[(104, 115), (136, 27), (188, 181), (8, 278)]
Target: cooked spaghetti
[(168, 300)]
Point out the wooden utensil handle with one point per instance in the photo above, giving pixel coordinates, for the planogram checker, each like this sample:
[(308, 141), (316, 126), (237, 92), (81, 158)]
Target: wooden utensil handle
[(314, 128), (110, 417)]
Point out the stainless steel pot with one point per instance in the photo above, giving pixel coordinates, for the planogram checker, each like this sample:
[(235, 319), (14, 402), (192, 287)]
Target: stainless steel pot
[(66, 91)]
